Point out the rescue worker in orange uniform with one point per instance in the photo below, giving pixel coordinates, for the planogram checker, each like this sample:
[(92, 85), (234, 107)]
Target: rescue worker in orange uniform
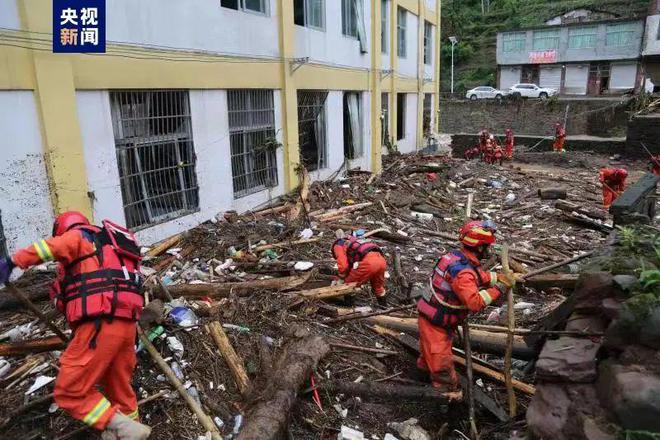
[(509, 141), (614, 183), (472, 153), (498, 154), (458, 286), (560, 138), (360, 261), (98, 290), (489, 150), (655, 165), (484, 135)]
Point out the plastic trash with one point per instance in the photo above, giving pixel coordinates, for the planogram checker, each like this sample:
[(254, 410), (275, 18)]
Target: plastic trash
[(238, 328), (175, 345), (347, 433), (270, 254), (496, 184), (176, 368), (153, 334), (5, 366), (510, 198), (40, 382), (18, 333), (389, 436), (183, 316), (302, 266), (494, 316), (167, 280), (192, 392), (522, 305), (306, 234), (410, 430), (343, 412), (231, 251), (218, 422), (421, 215), (238, 424)]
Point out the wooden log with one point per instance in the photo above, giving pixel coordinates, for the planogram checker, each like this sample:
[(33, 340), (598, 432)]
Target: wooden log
[(203, 418), (483, 341), (394, 238), (552, 193), (343, 210), (567, 206), (404, 286), (545, 281), (164, 245), (272, 211), (242, 288), (37, 292), (386, 391), (32, 346), (586, 222), (329, 291), (285, 244), (269, 418), (556, 265), (508, 375), (302, 205), (230, 356)]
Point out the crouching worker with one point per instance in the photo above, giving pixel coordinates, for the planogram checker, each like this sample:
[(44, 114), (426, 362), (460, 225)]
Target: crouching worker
[(459, 286), (98, 290), (360, 261)]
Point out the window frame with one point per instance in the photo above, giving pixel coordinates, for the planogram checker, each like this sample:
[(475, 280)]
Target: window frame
[(319, 100), (545, 35), (306, 15), (346, 19), (242, 8), (610, 32), (384, 26), (401, 32), (508, 40), (401, 114), (128, 110), (428, 44), (249, 154), (575, 33)]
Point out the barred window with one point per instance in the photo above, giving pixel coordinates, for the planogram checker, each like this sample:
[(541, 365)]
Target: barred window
[(311, 129), (428, 43), (252, 139), (582, 37), (546, 40), (155, 154), (514, 41), (620, 34), (3, 240), (401, 32)]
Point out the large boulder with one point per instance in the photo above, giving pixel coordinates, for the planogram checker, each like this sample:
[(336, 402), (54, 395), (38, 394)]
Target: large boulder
[(591, 289), (568, 359), (632, 394), (649, 334)]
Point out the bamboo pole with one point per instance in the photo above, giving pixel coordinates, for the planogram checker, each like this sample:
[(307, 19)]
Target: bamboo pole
[(233, 360), (204, 419), (509, 337)]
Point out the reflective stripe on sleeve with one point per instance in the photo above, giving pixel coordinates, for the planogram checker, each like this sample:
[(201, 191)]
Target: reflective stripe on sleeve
[(43, 251), (134, 415), (486, 297), (95, 414), (493, 279)]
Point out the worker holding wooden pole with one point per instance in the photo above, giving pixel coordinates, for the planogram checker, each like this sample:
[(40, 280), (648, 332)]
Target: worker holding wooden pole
[(458, 286)]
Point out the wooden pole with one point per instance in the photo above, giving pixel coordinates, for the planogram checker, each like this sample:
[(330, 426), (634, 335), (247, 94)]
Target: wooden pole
[(556, 265), (509, 337), (24, 299), (204, 419), (367, 315), (474, 433), (233, 360), (468, 209)]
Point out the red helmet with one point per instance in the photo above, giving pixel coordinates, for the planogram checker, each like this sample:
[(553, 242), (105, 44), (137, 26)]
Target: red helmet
[(68, 220), (477, 233), (621, 173)]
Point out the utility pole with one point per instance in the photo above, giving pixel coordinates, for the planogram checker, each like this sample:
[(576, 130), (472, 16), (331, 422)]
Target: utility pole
[(453, 41)]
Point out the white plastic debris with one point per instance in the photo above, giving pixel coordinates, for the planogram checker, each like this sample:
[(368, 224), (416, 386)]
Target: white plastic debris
[(387, 275), (5, 366), (343, 412), (174, 251), (401, 232), (421, 215), (410, 430), (218, 422), (346, 186), (389, 436), (306, 234), (18, 333), (510, 197), (418, 258), (40, 382), (480, 383), (347, 433), (147, 271), (362, 309), (53, 407), (175, 345), (522, 305), (302, 266)]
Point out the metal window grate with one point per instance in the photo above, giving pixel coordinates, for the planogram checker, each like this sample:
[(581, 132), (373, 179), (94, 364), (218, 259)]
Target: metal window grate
[(252, 140), (3, 240), (311, 129), (156, 155)]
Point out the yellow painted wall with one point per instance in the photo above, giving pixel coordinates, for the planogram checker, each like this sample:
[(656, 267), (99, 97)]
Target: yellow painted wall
[(56, 77)]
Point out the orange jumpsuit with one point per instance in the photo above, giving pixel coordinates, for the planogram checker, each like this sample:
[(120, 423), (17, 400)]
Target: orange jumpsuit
[(82, 369), (435, 342), (370, 269), (560, 138), (614, 183), (508, 145), (655, 165)]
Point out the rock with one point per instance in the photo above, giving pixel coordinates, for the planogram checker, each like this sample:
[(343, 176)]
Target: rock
[(625, 282), (611, 307), (153, 313), (410, 430), (639, 354), (586, 323), (592, 431), (619, 334), (568, 359), (595, 283), (347, 433), (632, 394), (649, 335)]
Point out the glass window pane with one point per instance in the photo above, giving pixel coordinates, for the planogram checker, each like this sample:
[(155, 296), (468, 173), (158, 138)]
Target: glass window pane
[(401, 32), (383, 26), (255, 5), (546, 40), (315, 13), (513, 42)]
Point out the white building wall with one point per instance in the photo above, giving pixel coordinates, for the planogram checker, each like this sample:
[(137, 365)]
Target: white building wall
[(9, 17), (204, 26), (409, 143), (331, 46), (408, 66), (623, 76), (431, 4), (211, 139), (27, 212)]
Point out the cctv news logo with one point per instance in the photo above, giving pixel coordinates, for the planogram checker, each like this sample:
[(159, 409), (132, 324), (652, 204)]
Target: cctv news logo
[(79, 26)]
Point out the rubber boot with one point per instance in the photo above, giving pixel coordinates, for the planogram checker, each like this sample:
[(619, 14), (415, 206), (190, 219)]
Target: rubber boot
[(127, 429), (382, 301)]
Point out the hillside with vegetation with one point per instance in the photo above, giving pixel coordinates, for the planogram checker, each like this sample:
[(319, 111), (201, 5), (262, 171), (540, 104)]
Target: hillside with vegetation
[(476, 22)]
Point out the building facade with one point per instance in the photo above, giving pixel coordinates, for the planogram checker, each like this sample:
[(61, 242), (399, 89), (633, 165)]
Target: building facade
[(651, 49), (592, 58), (204, 106)]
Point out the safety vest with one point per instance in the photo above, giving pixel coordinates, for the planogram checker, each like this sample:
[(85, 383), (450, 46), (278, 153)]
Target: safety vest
[(111, 291), (358, 249), (439, 303)]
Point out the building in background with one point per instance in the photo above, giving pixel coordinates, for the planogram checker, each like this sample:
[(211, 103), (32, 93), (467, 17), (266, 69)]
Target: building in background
[(203, 106), (651, 49), (577, 58)]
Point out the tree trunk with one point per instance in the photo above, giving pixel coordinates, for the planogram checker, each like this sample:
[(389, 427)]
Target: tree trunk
[(552, 193), (32, 346), (230, 356), (269, 418)]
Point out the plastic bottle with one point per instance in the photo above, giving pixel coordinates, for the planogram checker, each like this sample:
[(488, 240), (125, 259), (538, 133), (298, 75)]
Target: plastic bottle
[(178, 372), (153, 334), (192, 391)]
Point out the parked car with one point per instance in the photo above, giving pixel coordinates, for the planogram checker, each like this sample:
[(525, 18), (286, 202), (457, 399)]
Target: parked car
[(532, 91), (485, 92)]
